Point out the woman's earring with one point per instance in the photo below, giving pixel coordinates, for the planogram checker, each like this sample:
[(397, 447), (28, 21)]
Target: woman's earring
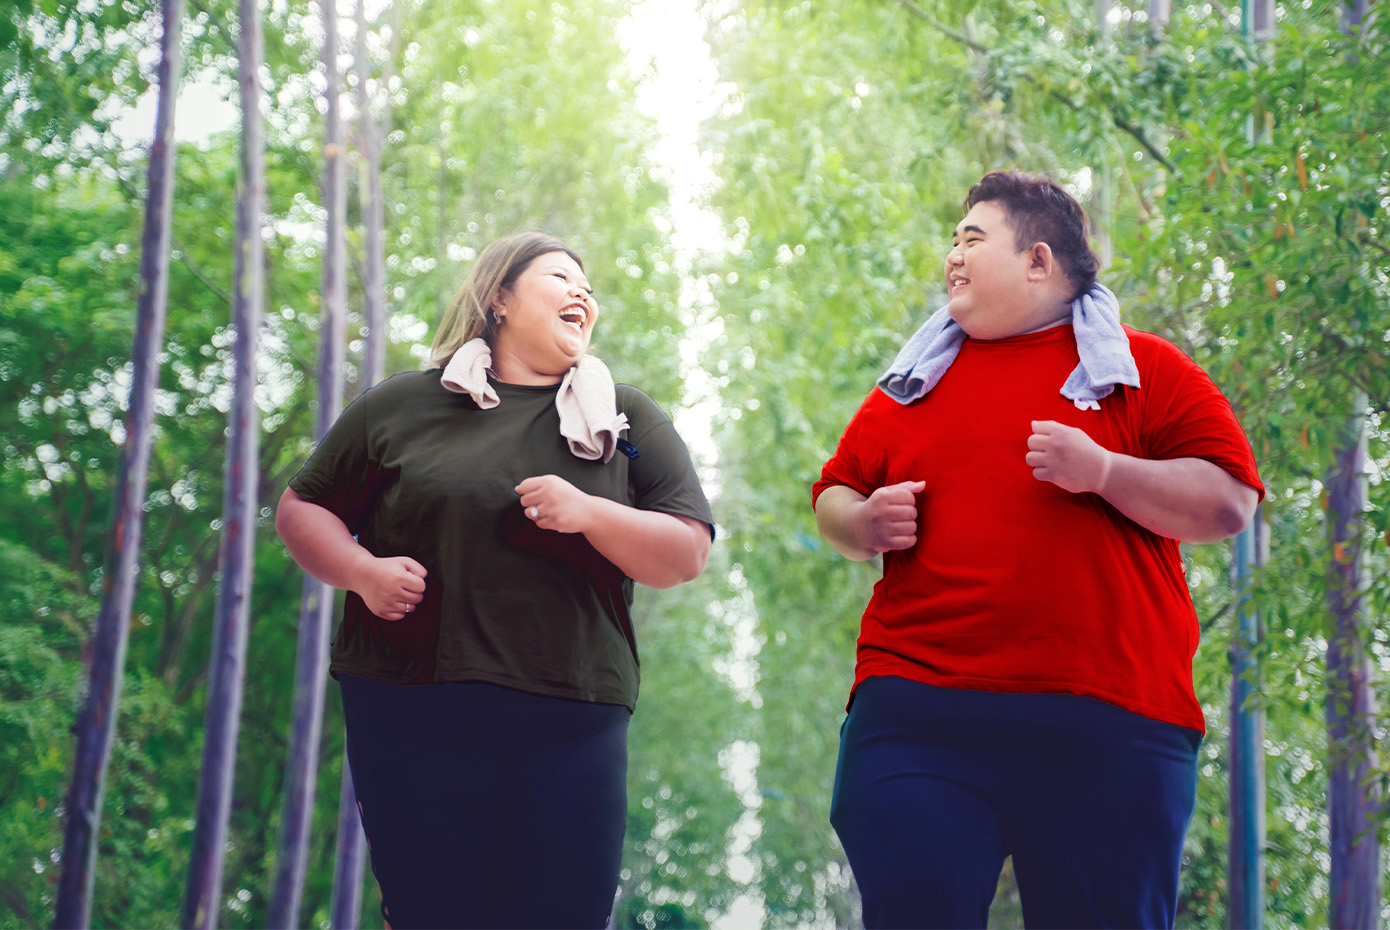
[(496, 319)]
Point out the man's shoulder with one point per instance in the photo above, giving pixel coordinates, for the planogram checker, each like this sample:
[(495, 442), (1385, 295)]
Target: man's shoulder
[(878, 411), (1155, 349), (1147, 339)]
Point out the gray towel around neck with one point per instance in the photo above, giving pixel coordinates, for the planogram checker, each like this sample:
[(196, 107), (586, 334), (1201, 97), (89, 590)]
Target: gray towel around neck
[(1100, 341)]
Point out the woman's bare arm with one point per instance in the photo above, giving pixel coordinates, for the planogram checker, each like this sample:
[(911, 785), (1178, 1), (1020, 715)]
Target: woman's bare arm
[(322, 545)]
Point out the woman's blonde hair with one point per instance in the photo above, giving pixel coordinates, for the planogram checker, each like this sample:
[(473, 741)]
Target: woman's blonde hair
[(470, 312)]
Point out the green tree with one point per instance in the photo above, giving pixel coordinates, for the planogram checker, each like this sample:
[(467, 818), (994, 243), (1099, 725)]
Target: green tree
[(96, 726), (227, 665), (66, 325), (1245, 253)]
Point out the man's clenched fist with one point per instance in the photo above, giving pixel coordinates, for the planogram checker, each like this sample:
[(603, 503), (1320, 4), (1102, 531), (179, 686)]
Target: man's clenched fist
[(1067, 457), (888, 517)]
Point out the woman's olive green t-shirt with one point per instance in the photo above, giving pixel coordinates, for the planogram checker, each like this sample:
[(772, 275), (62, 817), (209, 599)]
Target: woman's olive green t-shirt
[(417, 470)]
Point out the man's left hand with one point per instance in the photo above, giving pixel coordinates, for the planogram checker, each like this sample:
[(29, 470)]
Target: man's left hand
[(1067, 457)]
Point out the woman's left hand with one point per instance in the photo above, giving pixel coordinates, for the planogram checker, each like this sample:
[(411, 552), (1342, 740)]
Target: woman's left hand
[(552, 503)]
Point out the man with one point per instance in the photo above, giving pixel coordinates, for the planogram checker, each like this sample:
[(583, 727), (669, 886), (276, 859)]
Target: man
[(1024, 676)]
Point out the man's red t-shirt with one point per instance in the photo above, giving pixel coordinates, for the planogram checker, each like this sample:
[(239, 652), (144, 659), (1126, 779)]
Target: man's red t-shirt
[(1015, 584)]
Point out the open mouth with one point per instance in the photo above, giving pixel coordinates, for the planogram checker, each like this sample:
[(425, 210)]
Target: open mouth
[(575, 315), (956, 282)]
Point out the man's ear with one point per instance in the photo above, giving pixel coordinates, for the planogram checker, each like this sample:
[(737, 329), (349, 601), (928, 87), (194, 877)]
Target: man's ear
[(1041, 262)]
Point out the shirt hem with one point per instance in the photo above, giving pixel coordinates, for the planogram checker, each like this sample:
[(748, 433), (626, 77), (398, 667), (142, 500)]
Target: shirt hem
[(1150, 711), (530, 687)]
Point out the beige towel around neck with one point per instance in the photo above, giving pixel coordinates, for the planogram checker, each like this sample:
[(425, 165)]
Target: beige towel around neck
[(587, 399)]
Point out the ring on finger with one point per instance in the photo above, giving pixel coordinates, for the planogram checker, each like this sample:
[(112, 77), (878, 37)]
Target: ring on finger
[(533, 512)]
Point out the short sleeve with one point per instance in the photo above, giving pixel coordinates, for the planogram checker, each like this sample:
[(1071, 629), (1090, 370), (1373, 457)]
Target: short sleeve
[(1187, 416), (341, 474), (662, 476), (849, 466)]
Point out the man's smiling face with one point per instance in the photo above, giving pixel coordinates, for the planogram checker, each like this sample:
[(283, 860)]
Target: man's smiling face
[(987, 276)]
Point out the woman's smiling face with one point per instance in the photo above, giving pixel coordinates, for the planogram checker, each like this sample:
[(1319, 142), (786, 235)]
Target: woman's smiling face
[(548, 316)]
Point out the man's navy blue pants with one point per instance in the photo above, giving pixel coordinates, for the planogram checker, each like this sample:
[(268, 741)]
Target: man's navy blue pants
[(935, 786)]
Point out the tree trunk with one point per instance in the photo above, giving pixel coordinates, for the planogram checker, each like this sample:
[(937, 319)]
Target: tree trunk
[(346, 905), (1160, 11), (316, 605), (1102, 185), (227, 667), (1245, 864), (1245, 860), (96, 725), (345, 909), (374, 276), (1354, 14), (441, 252), (1353, 802)]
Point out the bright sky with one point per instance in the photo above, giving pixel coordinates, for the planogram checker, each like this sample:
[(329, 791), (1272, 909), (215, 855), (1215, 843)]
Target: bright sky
[(202, 110), (679, 92)]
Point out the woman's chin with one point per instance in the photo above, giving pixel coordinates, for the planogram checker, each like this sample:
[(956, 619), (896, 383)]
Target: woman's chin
[(573, 348)]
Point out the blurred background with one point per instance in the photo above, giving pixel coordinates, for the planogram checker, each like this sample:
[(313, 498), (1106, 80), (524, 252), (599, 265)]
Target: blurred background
[(763, 194)]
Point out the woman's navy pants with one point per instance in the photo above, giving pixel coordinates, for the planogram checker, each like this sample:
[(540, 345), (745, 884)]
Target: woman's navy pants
[(935, 786), (488, 807)]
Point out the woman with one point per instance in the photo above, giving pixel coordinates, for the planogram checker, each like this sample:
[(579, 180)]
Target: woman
[(486, 653)]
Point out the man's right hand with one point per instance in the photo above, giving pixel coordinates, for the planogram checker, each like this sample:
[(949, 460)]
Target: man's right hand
[(862, 527), (391, 587), (887, 520)]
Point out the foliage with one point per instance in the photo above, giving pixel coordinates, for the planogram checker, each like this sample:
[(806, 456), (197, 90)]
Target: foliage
[(68, 263), (1264, 260), (852, 132)]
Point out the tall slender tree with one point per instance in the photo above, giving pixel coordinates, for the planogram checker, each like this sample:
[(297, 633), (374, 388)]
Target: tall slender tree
[(369, 131), (1246, 834), (96, 726), (346, 903), (347, 875), (1352, 795), (1102, 182), (345, 906), (1160, 11), (1245, 860), (316, 605), (240, 503)]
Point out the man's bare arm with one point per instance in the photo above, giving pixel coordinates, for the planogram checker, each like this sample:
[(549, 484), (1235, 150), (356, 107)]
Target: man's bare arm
[(860, 527), (1188, 499)]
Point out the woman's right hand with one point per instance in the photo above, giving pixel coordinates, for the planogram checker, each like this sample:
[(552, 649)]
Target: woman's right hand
[(323, 546), (391, 587)]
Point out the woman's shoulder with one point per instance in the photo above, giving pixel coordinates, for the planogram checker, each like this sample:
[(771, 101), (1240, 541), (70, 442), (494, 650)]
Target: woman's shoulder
[(387, 399), (405, 383), (631, 399)]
